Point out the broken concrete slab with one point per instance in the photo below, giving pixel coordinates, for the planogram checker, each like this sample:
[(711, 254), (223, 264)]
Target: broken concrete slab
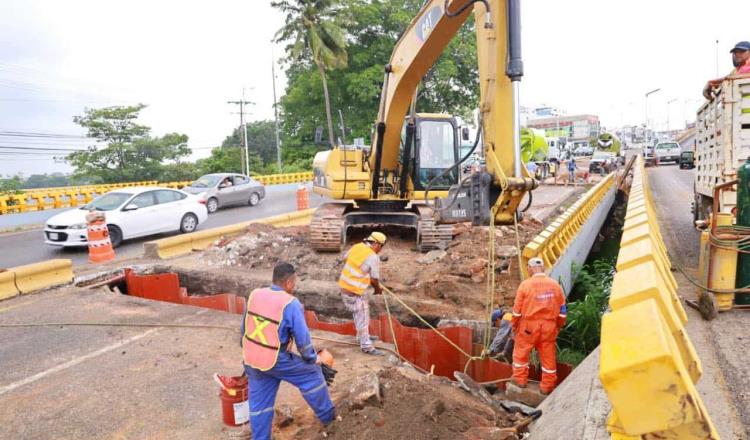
[(283, 416), (530, 395), (432, 256), (365, 391)]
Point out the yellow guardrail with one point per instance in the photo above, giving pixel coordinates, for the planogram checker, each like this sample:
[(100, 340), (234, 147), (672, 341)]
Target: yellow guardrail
[(70, 196), (550, 244), (37, 276), (648, 365), (199, 240)]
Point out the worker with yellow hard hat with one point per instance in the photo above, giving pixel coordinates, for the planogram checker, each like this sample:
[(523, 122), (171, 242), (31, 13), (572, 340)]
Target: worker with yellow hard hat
[(362, 270)]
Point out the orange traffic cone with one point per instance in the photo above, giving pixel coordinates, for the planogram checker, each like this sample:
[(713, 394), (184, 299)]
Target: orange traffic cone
[(100, 247), (303, 199)]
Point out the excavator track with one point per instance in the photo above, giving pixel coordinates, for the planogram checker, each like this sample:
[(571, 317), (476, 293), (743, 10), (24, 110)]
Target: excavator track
[(327, 227), (433, 236)]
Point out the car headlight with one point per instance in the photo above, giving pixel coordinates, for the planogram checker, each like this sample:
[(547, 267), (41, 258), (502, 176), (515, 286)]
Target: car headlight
[(78, 226)]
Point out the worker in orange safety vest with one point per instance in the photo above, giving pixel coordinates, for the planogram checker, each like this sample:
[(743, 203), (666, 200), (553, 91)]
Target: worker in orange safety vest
[(273, 319), (539, 312)]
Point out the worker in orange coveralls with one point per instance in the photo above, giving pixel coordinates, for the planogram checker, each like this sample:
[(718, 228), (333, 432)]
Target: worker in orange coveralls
[(539, 313)]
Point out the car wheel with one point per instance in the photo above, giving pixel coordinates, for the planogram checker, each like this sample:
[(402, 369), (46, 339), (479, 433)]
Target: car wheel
[(189, 223), (115, 235), (212, 205), (254, 199)]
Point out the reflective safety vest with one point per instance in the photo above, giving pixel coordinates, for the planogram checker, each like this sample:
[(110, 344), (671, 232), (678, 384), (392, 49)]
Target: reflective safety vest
[(352, 278), (260, 343)]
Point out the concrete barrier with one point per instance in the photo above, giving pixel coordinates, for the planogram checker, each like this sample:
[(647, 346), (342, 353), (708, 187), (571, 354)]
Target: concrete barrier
[(8, 287), (199, 240), (37, 276), (567, 241), (648, 365), (41, 275), (68, 196)]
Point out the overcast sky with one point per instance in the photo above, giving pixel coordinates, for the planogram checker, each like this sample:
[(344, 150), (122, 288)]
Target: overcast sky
[(185, 59)]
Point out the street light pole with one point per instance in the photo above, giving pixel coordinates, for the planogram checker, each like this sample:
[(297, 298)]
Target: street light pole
[(668, 110), (647, 95)]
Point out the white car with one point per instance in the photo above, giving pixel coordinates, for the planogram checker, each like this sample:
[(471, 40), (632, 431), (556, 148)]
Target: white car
[(130, 213), (668, 152)]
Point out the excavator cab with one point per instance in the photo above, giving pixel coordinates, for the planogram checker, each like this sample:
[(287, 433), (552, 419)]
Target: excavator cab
[(435, 149)]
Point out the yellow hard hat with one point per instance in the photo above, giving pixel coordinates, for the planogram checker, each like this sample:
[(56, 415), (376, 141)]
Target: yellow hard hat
[(377, 237)]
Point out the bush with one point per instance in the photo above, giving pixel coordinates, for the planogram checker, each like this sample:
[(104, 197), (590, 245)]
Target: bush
[(582, 330)]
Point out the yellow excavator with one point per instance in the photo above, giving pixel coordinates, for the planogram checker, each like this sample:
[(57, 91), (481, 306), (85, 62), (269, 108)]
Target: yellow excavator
[(410, 176)]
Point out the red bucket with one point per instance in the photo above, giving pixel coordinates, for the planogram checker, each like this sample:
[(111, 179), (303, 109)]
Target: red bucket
[(235, 410)]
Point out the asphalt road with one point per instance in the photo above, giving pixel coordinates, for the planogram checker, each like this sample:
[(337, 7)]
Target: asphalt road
[(28, 247), (722, 343)]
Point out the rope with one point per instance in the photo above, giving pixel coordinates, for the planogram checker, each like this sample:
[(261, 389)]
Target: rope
[(419, 317), (390, 324), (518, 249), (191, 326), (490, 280)]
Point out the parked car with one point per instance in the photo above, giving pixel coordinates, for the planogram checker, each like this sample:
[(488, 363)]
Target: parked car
[(667, 152), (130, 213), (225, 189), (687, 160), (603, 163), (584, 150)]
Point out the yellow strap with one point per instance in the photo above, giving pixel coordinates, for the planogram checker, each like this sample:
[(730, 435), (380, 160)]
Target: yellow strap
[(257, 333)]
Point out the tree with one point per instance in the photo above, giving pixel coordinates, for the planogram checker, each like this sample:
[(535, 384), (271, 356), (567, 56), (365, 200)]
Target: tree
[(130, 154), (228, 160), (260, 141), (315, 28)]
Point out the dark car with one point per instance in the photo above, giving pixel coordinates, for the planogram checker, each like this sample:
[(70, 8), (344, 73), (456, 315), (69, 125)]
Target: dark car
[(687, 160), (602, 163)]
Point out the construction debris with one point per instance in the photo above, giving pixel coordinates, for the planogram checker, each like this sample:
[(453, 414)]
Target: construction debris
[(455, 277), (426, 408)]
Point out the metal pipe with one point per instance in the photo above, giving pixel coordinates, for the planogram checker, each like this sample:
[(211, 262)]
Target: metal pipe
[(514, 71), (516, 130)]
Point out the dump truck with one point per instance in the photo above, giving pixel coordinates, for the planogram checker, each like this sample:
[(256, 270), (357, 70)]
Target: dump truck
[(722, 145)]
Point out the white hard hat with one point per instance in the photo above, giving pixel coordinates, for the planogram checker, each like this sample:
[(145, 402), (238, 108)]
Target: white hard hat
[(536, 262)]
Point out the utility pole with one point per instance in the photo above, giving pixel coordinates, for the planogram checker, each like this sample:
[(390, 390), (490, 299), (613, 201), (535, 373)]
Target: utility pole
[(242, 103), (668, 109), (275, 110)]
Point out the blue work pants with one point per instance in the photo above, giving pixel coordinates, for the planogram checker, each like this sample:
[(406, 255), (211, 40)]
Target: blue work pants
[(263, 386)]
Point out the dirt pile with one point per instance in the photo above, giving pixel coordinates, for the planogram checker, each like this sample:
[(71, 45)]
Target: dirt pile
[(456, 275), (405, 405)]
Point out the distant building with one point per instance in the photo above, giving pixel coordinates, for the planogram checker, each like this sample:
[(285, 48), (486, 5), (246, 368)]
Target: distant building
[(575, 127)]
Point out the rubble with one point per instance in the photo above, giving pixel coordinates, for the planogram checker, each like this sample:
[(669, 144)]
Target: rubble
[(365, 391), (454, 276), (283, 416), (417, 408)]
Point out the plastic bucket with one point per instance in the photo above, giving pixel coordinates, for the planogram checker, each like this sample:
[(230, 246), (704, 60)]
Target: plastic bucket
[(234, 406)]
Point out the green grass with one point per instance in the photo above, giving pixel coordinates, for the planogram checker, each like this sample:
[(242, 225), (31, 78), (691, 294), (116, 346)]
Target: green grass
[(580, 335)]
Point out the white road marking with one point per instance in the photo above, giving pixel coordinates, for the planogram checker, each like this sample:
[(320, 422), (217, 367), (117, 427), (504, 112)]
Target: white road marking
[(73, 362)]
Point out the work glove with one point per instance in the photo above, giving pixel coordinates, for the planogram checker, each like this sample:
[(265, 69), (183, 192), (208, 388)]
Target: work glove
[(328, 373)]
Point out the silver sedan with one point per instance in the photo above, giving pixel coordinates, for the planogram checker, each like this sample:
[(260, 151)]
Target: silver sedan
[(225, 189)]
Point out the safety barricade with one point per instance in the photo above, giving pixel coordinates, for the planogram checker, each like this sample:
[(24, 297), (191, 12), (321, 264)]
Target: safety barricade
[(557, 239), (199, 240), (648, 365)]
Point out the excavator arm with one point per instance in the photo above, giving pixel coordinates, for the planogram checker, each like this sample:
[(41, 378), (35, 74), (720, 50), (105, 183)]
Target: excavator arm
[(500, 70)]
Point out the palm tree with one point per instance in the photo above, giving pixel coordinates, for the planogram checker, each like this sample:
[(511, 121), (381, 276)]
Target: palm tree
[(314, 26)]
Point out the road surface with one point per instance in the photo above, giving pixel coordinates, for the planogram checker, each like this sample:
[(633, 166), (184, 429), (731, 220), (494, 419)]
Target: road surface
[(28, 247), (722, 343)]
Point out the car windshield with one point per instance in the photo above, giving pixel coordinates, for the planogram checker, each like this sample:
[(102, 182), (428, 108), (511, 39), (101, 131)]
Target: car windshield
[(667, 145), (600, 156), (107, 202), (208, 181)]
